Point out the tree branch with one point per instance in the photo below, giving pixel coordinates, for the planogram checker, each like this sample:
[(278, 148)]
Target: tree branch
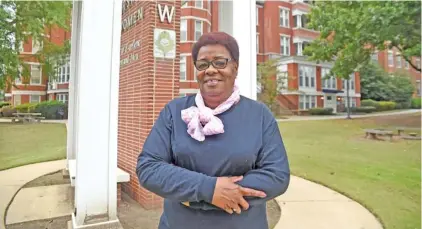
[(407, 59)]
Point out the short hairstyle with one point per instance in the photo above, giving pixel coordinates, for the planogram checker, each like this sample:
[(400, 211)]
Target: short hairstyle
[(217, 38)]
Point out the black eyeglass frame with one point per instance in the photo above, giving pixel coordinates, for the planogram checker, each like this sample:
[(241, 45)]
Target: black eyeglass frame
[(212, 63)]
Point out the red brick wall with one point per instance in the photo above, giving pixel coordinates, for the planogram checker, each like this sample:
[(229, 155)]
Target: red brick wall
[(318, 79), (293, 72), (146, 85), (289, 101)]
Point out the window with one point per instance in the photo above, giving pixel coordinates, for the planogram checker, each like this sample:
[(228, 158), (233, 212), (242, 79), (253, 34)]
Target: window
[(199, 4), (300, 47), (284, 17), (35, 99), (418, 87), (183, 68), (406, 64), (35, 74), (330, 83), (36, 46), (16, 100), (390, 59), (307, 76), (307, 102), (374, 57), (351, 82), (63, 73), (257, 16), (418, 63), (398, 61), (257, 43), (300, 21), (64, 98), (198, 29), (285, 45), (183, 30), (184, 3)]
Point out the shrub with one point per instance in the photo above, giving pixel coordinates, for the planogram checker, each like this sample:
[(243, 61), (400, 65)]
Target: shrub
[(321, 111), (416, 103), (386, 105), (51, 109), (8, 111), (3, 104), (26, 107), (369, 103)]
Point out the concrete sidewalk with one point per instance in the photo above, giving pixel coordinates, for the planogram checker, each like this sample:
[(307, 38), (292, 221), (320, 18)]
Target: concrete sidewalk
[(343, 116), (309, 205), (12, 180)]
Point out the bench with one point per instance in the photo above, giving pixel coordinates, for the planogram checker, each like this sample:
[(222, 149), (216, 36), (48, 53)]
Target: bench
[(400, 130), (121, 177), (27, 117), (374, 133)]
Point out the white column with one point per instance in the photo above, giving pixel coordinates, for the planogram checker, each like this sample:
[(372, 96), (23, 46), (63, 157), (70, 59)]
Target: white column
[(97, 106), (239, 18), (72, 101)]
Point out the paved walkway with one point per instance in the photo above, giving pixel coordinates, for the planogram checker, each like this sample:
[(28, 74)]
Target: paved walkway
[(343, 116), (305, 204), (12, 180), (309, 205)]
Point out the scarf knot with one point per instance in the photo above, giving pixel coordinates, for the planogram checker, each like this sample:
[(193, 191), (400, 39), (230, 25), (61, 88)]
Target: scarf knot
[(202, 120)]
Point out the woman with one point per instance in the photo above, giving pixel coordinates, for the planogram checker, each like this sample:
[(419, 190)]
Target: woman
[(215, 153)]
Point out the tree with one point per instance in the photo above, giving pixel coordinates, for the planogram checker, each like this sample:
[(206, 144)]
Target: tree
[(271, 82), (373, 81), (350, 31), (21, 21), (376, 84)]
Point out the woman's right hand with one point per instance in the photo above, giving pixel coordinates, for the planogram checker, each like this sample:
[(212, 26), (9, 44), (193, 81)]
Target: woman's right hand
[(229, 196)]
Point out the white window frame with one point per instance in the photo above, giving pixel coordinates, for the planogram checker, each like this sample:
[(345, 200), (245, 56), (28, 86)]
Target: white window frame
[(257, 15), (284, 17), (285, 48), (40, 77), (196, 38), (63, 73), (16, 101), (390, 58), (307, 102), (183, 63), (418, 62), (351, 82), (36, 47), (62, 97), (398, 60), (406, 64), (418, 88), (199, 6), (257, 42), (308, 75), (330, 83), (36, 100), (183, 29)]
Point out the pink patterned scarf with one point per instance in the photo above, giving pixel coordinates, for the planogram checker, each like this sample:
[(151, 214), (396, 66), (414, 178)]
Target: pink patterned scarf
[(202, 121)]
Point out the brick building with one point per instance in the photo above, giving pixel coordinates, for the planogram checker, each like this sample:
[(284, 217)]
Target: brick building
[(39, 87)]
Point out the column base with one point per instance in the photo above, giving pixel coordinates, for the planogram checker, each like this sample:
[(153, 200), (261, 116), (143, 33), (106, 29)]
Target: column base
[(106, 224)]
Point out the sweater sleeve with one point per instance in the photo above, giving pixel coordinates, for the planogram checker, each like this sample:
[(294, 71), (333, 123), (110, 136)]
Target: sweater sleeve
[(157, 174), (272, 172)]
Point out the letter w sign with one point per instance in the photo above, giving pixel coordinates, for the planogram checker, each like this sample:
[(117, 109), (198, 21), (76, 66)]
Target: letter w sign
[(165, 13)]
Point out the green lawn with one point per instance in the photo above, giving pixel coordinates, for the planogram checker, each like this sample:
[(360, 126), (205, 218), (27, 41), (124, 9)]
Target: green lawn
[(383, 176), (22, 144)]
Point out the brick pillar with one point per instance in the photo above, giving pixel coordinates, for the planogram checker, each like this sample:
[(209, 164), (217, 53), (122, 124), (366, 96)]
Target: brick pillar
[(318, 79), (147, 83), (293, 71)]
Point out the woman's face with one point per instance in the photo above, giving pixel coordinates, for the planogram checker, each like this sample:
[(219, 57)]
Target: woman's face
[(217, 81)]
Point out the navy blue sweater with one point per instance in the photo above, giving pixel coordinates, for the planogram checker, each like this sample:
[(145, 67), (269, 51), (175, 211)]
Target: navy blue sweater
[(181, 169)]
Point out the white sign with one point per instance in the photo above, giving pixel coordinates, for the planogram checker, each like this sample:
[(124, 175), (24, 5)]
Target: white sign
[(164, 43)]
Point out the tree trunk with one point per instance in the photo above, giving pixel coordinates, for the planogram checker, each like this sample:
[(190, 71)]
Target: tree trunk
[(348, 99)]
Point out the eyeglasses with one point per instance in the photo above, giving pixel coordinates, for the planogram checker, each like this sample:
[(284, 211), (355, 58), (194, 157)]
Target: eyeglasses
[(218, 63)]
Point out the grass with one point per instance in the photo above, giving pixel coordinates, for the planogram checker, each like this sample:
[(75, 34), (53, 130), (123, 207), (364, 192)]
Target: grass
[(22, 144), (383, 176)]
